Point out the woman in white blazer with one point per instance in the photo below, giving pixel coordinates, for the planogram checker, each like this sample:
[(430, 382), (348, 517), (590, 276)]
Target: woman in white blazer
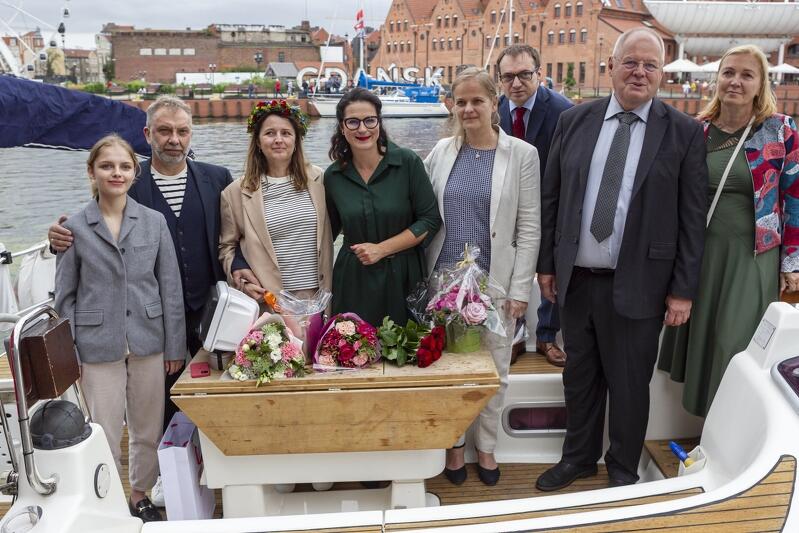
[(487, 186)]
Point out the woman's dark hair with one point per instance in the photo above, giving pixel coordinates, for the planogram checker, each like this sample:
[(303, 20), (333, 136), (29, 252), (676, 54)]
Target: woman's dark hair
[(339, 147)]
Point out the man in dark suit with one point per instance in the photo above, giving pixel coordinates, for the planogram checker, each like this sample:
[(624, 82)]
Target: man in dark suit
[(187, 193), (623, 217), (530, 111)]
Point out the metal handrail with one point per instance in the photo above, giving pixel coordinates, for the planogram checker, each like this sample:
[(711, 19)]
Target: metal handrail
[(42, 486)]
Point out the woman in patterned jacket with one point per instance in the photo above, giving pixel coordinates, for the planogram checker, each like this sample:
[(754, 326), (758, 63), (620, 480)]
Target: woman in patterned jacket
[(752, 236)]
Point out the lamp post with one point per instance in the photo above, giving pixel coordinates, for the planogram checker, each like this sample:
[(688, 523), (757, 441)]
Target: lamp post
[(599, 66), (212, 68), (258, 57)]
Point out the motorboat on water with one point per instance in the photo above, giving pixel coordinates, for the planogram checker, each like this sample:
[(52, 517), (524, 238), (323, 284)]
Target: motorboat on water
[(743, 477), (402, 100)]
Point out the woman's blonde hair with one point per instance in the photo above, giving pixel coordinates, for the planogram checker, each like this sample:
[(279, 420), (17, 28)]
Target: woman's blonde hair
[(487, 83), (257, 164), (764, 105), (110, 140)]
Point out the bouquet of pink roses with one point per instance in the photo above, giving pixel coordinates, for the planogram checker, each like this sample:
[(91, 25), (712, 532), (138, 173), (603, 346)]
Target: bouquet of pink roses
[(348, 342), (469, 303), (269, 350)]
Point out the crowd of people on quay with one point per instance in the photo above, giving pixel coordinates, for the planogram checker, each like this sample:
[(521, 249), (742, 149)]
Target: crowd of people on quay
[(631, 215)]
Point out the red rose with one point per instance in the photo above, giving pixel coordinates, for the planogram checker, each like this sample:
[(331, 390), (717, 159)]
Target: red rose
[(346, 353), (436, 355), (428, 342), (424, 358), (274, 102)]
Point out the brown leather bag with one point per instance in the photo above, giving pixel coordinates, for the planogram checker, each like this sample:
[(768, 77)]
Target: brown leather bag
[(49, 363)]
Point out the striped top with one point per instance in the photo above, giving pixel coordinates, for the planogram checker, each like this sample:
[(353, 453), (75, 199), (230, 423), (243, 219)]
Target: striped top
[(467, 206), (291, 222), (172, 187)]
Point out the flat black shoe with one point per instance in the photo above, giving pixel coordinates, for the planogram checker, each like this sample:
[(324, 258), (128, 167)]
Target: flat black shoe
[(457, 476), (145, 510), (562, 475), (488, 477)]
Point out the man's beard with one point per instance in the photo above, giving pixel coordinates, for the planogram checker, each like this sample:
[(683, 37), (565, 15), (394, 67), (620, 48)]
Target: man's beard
[(167, 158)]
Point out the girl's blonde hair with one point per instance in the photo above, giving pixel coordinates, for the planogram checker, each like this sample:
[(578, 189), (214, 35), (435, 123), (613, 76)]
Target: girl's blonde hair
[(487, 83), (110, 140), (764, 105)]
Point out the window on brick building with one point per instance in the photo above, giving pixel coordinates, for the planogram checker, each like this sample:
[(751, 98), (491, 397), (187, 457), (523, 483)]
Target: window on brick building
[(281, 57), (549, 70), (602, 67), (507, 40), (620, 4), (579, 9), (568, 10), (449, 44), (516, 38), (174, 51), (388, 48), (561, 37), (454, 20), (488, 42), (458, 43), (572, 36), (438, 22), (557, 10), (402, 47), (493, 17), (145, 51), (560, 73), (405, 25), (496, 41), (583, 35), (159, 52), (446, 21), (581, 77), (391, 27), (551, 37), (434, 44), (395, 47)]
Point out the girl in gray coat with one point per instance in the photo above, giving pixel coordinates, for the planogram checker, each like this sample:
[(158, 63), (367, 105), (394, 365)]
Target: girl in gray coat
[(119, 285)]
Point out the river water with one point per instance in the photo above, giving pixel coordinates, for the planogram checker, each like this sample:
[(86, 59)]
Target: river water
[(38, 185)]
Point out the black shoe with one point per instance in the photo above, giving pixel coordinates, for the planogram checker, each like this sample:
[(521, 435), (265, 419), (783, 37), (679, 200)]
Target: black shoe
[(457, 476), (562, 475), (488, 477), (618, 482), (145, 510)]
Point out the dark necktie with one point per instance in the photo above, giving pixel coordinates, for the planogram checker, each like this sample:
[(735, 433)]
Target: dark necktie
[(608, 195), (518, 123)]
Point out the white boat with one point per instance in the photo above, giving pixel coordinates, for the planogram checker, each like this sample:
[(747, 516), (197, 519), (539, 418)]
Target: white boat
[(393, 107), (743, 479)]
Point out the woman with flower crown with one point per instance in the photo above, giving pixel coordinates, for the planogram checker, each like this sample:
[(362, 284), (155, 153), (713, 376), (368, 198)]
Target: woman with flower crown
[(276, 213)]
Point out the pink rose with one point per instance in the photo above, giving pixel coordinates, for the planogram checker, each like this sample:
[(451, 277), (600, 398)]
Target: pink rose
[(327, 360), (289, 351), (360, 360), (474, 314), (346, 328)]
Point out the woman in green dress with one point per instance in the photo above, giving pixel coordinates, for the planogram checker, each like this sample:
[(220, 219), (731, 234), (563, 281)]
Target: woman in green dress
[(749, 239), (380, 197)]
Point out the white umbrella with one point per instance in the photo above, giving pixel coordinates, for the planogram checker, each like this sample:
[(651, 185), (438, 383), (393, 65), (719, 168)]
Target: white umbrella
[(710, 67), (682, 65), (785, 68)]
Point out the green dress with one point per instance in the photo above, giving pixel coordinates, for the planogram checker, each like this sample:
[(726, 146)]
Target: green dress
[(398, 196), (735, 286)]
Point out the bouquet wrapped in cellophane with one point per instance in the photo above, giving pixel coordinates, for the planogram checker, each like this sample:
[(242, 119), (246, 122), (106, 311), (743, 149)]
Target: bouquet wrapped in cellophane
[(468, 302), (268, 351), (348, 342)]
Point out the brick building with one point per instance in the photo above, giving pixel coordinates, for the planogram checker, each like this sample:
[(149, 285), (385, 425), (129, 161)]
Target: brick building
[(158, 55), (453, 33)]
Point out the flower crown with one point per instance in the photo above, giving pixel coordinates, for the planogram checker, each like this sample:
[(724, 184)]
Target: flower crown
[(281, 108)]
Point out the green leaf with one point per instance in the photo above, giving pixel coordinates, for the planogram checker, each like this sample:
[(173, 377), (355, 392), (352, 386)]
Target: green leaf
[(402, 356)]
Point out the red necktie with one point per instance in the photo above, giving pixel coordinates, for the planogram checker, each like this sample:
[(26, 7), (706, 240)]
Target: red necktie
[(518, 124)]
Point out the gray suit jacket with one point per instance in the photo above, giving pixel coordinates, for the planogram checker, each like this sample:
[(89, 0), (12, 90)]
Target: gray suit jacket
[(121, 296)]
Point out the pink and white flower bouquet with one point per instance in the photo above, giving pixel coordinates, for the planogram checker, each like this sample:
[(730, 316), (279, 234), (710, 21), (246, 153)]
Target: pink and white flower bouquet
[(469, 303), (348, 342), (268, 351)]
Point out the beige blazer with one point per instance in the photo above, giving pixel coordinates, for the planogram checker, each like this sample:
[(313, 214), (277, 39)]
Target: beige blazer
[(515, 214), (243, 224)]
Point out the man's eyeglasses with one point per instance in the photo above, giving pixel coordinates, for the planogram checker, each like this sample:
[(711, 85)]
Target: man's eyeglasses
[(353, 123), (525, 75), (632, 65)]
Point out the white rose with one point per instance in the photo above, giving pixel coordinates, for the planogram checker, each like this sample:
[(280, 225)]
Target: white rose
[(276, 355)]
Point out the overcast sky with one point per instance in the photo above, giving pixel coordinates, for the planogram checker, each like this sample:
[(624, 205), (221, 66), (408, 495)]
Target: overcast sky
[(90, 15)]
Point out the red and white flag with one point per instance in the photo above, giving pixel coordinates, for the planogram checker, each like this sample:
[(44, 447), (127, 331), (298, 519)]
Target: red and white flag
[(359, 20)]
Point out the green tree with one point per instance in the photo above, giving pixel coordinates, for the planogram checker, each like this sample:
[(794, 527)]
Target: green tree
[(109, 70), (569, 82)]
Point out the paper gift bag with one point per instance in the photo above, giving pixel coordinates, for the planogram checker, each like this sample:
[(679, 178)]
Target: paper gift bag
[(181, 464)]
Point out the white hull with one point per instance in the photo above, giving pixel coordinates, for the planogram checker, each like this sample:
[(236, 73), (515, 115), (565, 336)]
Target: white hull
[(391, 109), (752, 425)]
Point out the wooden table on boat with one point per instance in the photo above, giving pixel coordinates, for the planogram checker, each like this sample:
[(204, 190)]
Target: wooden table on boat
[(378, 423)]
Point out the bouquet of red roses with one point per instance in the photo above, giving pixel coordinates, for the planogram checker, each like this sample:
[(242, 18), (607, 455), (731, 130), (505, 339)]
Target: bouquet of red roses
[(348, 342), (431, 346), (414, 343)]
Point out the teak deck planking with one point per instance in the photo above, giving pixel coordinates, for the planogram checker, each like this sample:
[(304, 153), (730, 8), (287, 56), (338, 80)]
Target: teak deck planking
[(665, 460)]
